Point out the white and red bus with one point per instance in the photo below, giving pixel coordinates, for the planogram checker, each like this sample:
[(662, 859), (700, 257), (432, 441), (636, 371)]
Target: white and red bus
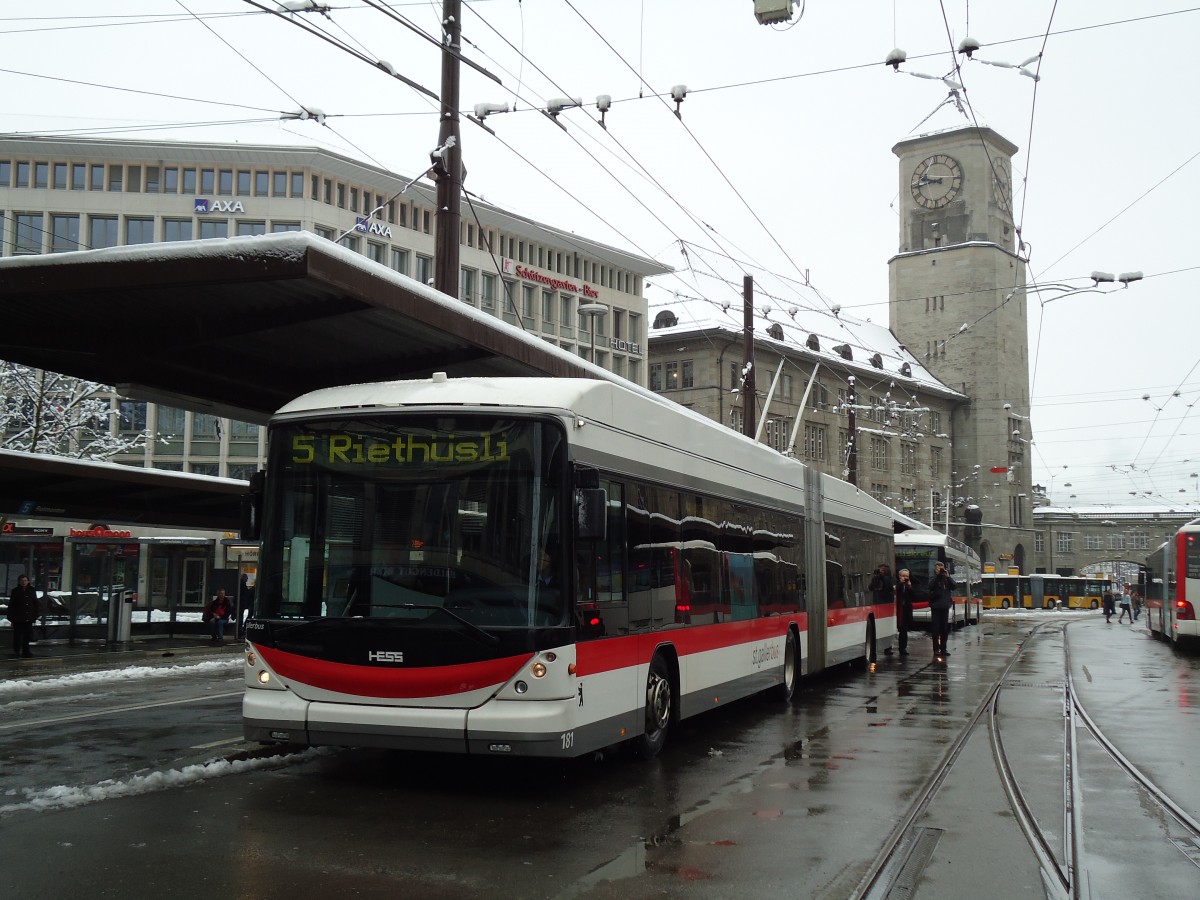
[(1173, 587), (919, 549), (535, 566)]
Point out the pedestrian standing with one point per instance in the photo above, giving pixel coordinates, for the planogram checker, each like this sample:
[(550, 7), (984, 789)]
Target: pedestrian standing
[(245, 598), (1137, 604), (905, 595), (217, 616), (1126, 604), (941, 601), (23, 610), (1110, 606)]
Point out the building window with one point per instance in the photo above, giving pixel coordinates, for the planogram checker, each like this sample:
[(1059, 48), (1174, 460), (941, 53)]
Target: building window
[(656, 376), (350, 242), (548, 307), (566, 309), (526, 300), (170, 422), (689, 378), (208, 181), (424, 272), (225, 182), (1064, 542), (22, 175), (785, 387), (736, 419), (96, 178), (1093, 542), (487, 291), (400, 261), (671, 373), (64, 233), (171, 180), (115, 176), (205, 426), (466, 285), (1116, 542), (29, 234), (284, 227), (102, 231), (279, 183), (814, 442), (177, 229), (139, 231), (777, 431), (908, 458), (250, 229), (60, 176), (341, 195), (153, 183), (935, 460), (935, 421), (298, 185), (262, 182), (41, 175), (879, 492), (1039, 542), (189, 181), (132, 416), (375, 252), (214, 228), (879, 453)]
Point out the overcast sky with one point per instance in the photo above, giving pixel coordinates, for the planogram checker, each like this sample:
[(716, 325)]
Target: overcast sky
[(781, 154)]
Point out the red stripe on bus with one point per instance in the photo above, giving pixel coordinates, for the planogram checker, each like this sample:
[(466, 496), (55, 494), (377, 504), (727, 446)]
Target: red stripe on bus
[(609, 654), (398, 683)]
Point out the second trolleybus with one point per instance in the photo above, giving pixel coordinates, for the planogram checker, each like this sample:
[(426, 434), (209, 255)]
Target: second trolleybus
[(1173, 591), (918, 550), (535, 566)]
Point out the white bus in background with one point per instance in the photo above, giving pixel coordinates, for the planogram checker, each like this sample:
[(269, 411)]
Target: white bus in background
[(919, 549)]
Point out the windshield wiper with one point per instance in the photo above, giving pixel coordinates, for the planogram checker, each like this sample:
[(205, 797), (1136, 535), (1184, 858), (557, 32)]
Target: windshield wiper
[(489, 639)]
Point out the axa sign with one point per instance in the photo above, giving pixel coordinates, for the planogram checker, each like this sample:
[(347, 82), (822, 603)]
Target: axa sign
[(366, 226), (204, 205)]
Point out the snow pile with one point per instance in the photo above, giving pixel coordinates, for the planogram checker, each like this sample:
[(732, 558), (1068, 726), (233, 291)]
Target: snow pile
[(131, 673), (66, 796)]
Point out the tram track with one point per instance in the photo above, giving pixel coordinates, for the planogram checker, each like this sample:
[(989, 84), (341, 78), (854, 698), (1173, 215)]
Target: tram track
[(896, 871)]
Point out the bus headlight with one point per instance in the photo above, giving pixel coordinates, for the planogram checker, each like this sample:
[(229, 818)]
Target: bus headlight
[(251, 659), (264, 677), (538, 670)]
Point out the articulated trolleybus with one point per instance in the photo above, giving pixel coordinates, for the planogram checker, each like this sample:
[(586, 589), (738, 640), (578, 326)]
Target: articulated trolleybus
[(1171, 603), (542, 567)]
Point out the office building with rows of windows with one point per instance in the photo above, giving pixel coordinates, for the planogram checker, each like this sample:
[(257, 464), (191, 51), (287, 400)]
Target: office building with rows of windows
[(61, 195)]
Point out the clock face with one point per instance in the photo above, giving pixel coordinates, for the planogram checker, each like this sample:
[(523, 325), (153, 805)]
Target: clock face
[(936, 181), (1002, 185)]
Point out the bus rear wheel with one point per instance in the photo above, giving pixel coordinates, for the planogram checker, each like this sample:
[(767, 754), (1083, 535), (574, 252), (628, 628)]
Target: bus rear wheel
[(786, 689), (1004, 604), (659, 709)]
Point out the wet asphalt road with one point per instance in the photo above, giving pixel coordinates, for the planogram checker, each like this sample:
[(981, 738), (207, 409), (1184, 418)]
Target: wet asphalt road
[(755, 800)]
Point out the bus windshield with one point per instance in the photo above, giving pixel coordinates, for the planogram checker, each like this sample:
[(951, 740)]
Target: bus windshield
[(414, 518)]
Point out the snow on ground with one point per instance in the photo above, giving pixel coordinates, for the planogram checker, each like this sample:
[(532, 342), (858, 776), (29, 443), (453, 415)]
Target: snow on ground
[(64, 796), (129, 673)]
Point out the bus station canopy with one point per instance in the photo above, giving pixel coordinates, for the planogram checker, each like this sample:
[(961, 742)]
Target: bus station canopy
[(232, 327), (237, 327)]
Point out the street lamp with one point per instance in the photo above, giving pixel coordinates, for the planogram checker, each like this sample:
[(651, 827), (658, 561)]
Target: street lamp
[(593, 311)]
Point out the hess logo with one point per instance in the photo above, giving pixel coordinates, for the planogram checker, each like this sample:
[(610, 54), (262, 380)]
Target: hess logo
[(390, 656)]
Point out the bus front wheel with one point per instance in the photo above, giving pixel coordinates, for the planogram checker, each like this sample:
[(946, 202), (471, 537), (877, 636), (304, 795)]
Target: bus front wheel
[(659, 703)]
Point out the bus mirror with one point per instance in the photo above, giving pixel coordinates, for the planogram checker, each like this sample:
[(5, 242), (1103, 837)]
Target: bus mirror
[(591, 514), (252, 508)]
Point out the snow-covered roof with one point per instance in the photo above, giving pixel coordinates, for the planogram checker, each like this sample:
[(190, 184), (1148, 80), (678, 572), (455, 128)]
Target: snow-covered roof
[(825, 335), (1120, 512)]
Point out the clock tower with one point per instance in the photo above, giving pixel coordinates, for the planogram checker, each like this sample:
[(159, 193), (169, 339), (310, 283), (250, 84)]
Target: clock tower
[(957, 302)]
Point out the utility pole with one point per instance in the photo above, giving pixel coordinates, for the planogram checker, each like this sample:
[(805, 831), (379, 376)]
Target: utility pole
[(447, 162), (852, 432), (748, 389)]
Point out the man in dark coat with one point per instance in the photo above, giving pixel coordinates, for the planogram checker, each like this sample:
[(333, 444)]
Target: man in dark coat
[(941, 601), (23, 611), (905, 595)]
